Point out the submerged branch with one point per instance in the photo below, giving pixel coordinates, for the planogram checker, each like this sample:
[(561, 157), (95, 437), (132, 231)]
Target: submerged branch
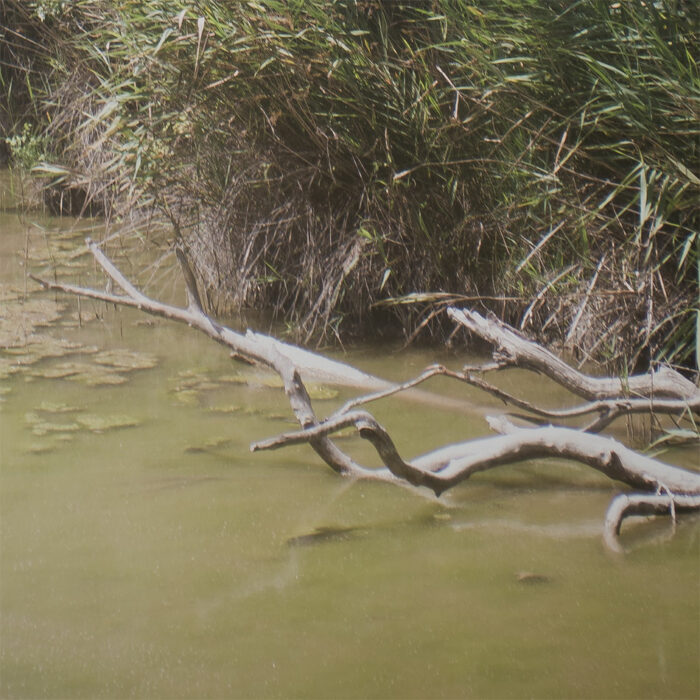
[(445, 467), (626, 505)]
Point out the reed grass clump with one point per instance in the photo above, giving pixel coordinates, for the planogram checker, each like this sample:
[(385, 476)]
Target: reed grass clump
[(355, 165)]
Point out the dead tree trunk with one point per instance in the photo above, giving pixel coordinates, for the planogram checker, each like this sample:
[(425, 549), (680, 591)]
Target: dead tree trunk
[(663, 488)]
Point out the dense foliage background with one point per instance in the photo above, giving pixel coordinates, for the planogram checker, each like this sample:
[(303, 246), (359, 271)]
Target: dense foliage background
[(355, 166)]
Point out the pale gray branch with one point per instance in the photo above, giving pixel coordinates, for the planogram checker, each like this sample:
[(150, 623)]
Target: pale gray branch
[(608, 409), (287, 360), (625, 505), (521, 352), (443, 468)]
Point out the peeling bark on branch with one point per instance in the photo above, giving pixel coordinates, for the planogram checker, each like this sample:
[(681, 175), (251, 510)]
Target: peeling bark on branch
[(665, 488)]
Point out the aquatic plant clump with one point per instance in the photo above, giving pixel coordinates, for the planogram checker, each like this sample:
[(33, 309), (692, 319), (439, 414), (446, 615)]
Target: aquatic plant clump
[(362, 165)]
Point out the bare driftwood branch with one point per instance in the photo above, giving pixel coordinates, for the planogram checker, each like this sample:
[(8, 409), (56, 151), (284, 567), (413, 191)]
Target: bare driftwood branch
[(607, 409), (516, 350), (448, 466), (444, 468), (666, 488), (261, 348), (664, 391), (625, 505), (287, 360)]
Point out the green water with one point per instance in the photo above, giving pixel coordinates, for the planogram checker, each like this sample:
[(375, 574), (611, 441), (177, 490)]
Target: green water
[(164, 560)]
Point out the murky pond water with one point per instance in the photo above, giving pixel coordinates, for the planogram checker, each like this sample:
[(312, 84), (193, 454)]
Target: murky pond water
[(145, 552)]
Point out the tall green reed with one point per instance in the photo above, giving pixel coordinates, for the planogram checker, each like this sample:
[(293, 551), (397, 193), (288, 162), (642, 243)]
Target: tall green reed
[(320, 157)]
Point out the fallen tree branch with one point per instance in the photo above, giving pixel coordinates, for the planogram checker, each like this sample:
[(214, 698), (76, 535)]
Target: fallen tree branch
[(625, 505), (447, 466), (287, 360), (667, 487), (514, 349), (607, 409), (263, 349)]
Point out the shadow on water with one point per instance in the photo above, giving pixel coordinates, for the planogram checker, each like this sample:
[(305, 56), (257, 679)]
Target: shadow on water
[(145, 552)]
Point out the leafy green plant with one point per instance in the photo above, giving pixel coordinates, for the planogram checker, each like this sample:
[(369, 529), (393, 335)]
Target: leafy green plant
[(27, 148)]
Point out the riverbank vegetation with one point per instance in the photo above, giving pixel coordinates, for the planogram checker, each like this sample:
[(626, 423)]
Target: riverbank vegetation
[(356, 166)]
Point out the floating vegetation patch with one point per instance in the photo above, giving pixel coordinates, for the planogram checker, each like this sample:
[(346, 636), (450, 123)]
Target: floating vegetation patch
[(21, 316), (83, 372), (56, 407), (59, 422), (251, 411), (193, 380), (188, 397), (93, 376), (43, 347), (187, 386), (61, 428), (257, 381), (107, 367), (126, 360), (28, 349), (40, 425), (61, 371), (21, 346), (49, 442), (98, 424)]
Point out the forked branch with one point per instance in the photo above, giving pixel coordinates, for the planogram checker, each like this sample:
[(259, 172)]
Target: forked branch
[(607, 409), (667, 488), (447, 466)]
